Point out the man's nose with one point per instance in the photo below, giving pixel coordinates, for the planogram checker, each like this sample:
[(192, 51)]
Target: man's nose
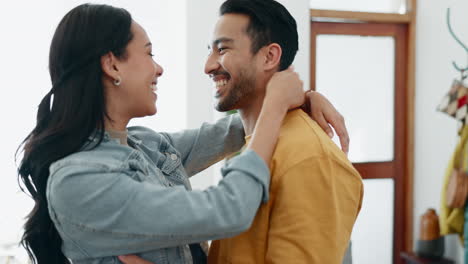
[(211, 64)]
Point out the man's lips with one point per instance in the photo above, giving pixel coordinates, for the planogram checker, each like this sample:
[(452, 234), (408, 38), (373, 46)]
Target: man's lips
[(217, 76)]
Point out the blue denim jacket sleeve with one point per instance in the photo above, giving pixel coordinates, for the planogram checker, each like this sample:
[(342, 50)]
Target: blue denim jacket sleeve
[(109, 213), (202, 147)]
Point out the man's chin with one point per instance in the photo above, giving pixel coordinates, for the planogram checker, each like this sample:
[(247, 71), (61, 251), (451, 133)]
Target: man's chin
[(220, 109), (223, 108), (227, 103)]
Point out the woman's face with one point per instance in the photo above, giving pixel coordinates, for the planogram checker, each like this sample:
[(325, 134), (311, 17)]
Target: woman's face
[(139, 74)]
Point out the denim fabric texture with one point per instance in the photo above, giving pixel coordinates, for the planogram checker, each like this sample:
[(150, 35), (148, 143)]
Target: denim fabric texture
[(115, 199)]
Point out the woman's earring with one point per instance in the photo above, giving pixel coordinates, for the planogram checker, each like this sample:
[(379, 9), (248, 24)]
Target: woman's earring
[(117, 81)]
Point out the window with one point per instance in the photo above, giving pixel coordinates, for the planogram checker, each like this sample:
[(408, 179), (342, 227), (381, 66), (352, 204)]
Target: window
[(363, 63)]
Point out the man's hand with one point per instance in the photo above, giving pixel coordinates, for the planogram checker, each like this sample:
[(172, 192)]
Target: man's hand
[(132, 259), (325, 114)]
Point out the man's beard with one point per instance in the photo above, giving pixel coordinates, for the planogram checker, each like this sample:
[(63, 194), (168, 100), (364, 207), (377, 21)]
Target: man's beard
[(240, 91)]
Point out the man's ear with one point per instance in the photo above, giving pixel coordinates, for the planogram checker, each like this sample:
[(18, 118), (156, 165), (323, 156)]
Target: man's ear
[(272, 56), (109, 65)]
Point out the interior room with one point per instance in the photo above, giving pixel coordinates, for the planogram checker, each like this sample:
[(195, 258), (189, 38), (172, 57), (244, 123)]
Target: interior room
[(390, 67)]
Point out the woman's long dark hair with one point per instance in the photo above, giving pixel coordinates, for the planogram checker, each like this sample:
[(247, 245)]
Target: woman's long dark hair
[(73, 110)]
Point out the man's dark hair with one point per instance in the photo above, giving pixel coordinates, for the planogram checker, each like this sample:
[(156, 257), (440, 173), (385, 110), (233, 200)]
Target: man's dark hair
[(270, 22)]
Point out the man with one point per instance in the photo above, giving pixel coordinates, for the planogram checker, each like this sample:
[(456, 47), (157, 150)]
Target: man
[(315, 193)]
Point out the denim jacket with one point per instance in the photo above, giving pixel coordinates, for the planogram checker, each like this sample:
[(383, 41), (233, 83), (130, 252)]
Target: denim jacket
[(116, 199)]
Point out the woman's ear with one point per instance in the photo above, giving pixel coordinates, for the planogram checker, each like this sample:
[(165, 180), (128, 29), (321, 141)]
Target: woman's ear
[(272, 56), (109, 66)]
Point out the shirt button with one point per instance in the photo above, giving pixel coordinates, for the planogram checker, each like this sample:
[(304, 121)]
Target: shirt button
[(173, 156)]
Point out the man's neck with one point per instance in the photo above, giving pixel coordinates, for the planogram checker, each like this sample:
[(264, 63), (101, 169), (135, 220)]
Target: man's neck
[(250, 113)]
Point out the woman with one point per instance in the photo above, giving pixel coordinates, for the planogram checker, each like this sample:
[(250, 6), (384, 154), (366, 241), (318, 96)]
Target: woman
[(102, 190)]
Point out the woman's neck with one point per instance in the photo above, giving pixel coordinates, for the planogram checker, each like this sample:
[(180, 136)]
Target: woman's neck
[(115, 125)]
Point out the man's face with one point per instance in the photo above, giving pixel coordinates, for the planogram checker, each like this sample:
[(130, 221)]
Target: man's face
[(231, 64)]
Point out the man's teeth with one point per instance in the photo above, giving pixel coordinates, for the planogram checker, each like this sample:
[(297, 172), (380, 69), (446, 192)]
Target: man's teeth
[(153, 87), (221, 82)]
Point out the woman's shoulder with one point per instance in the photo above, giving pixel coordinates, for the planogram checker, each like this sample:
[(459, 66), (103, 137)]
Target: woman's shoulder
[(149, 138), (104, 157)]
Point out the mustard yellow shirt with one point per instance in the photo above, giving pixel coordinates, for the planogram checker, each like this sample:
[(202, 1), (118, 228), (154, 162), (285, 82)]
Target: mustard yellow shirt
[(315, 197)]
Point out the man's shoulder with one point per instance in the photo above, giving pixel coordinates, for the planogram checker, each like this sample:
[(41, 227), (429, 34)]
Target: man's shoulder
[(303, 136), (302, 140)]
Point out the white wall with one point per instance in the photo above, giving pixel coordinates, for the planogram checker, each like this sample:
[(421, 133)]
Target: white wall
[(26, 37), (200, 105), (435, 133)]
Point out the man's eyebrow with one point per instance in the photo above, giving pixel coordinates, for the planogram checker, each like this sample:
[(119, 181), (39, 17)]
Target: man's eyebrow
[(148, 44), (221, 40)]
